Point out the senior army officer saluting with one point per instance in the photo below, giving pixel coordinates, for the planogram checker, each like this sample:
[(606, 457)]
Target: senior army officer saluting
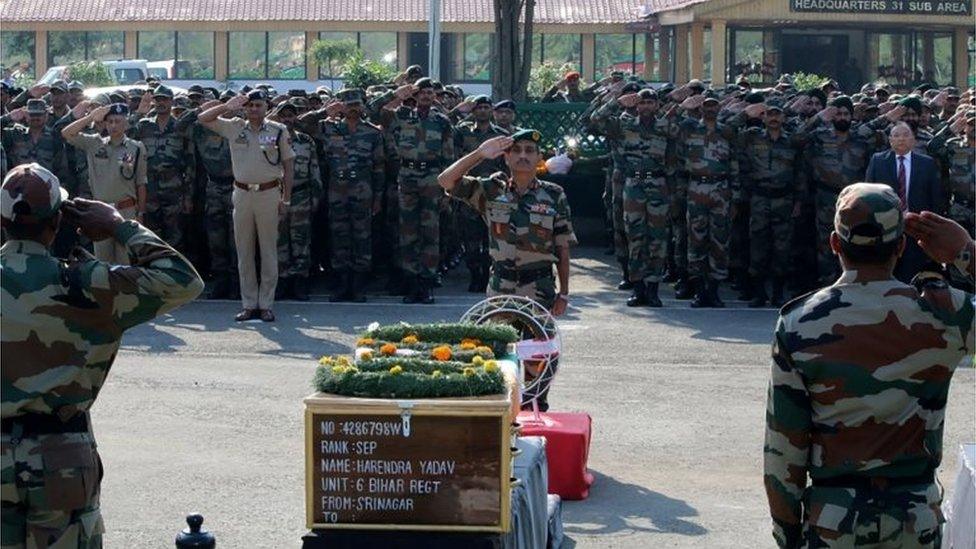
[(528, 220), (264, 167)]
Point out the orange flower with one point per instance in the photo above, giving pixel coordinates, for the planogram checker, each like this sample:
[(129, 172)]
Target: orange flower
[(471, 340), (388, 349), (409, 340), (467, 346), (441, 353), (365, 342)]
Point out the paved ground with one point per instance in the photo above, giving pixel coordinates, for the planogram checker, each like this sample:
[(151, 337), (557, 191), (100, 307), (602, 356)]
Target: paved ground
[(200, 414)]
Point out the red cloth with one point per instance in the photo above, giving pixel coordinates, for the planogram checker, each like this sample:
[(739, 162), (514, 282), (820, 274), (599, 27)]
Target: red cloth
[(567, 449)]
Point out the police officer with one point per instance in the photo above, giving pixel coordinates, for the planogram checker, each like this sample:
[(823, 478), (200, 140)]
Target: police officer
[(294, 232), (50, 469), (469, 135), (847, 407), (169, 169), (424, 142), (354, 161), (263, 164), (528, 220), (117, 165)]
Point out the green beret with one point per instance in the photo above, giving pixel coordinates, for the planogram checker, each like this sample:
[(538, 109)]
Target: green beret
[(842, 102), (912, 102), (774, 104), (527, 135), (754, 98)]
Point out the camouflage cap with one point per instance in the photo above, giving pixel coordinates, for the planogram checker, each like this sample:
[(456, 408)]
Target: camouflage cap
[(182, 102), (350, 96), (227, 94), (300, 103), (696, 84), (36, 106), (869, 214), (162, 91), (257, 95), (647, 94), (75, 85), (774, 104), (102, 99), (527, 134), (285, 106), (30, 193), (59, 86), (424, 83), (631, 87), (195, 89)]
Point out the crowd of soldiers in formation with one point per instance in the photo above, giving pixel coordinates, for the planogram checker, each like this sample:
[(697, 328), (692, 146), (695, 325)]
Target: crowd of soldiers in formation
[(704, 184)]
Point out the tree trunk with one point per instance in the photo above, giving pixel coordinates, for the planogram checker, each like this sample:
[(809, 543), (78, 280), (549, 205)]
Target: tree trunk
[(512, 59)]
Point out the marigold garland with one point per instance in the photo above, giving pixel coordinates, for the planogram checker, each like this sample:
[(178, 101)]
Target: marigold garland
[(441, 353), (388, 349)]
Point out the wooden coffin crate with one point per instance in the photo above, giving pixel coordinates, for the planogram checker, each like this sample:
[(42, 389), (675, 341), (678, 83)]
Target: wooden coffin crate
[(426, 464)]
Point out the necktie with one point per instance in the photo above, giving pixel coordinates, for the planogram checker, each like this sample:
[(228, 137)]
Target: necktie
[(901, 182)]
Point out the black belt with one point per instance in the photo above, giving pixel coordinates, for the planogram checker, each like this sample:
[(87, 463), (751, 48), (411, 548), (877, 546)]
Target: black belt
[(346, 174), (709, 178), (521, 276), (45, 424), (420, 164), (861, 482), (637, 174)]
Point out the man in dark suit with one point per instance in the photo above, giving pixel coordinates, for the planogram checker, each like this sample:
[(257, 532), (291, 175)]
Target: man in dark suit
[(915, 177)]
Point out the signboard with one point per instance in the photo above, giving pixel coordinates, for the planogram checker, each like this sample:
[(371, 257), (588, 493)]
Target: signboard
[(414, 472), (905, 7)]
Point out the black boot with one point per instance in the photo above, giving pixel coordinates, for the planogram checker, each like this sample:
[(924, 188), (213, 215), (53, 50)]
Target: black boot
[(341, 291), (701, 294), (671, 274), (356, 283), (425, 293), (625, 283), (759, 296), (777, 299), (395, 284), (683, 288), (283, 289), (410, 287), (745, 286), (485, 273), (713, 294), (299, 288), (652, 298), (639, 296), (474, 285)]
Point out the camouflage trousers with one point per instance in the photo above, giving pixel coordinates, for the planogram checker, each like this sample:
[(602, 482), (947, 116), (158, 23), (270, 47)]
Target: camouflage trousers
[(963, 215), (50, 492), (351, 225), (708, 228), (389, 240), (619, 226), (825, 202), (901, 518), (679, 223), (474, 235), (164, 210), (295, 233), (419, 207), (739, 219), (450, 240), (607, 198), (542, 290), (646, 204), (220, 227), (770, 234)]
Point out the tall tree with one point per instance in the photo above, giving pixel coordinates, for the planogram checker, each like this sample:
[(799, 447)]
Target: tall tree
[(512, 58)]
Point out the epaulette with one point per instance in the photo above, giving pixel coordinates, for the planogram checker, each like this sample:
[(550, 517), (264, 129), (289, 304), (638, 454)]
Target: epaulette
[(796, 301)]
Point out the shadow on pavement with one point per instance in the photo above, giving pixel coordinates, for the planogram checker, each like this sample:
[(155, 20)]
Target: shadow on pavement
[(616, 507)]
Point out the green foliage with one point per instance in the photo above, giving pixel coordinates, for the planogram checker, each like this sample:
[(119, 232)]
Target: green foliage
[(359, 72), (92, 74), (493, 335), (331, 54), (803, 81), (24, 81), (415, 379), (543, 76)]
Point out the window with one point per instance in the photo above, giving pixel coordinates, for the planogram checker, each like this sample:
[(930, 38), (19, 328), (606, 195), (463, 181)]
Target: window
[(910, 58), (271, 55), (65, 47), (933, 58), (376, 46), (971, 47), (618, 52), (559, 49), (890, 58), (476, 61), (17, 52), (748, 56), (178, 54)]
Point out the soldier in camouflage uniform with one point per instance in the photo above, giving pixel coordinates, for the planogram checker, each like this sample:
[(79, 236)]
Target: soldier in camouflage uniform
[(354, 153), (424, 141), (768, 171), (504, 115), (847, 406), (642, 139), (838, 155), (35, 142), (170, 169), (708, 150), (62, 322), (216, 174), (958, 154), (469, 135), (295, 227)]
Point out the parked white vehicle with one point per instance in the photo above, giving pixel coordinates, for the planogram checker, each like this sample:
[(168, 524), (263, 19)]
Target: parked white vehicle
[(123, 71), (90, 93)]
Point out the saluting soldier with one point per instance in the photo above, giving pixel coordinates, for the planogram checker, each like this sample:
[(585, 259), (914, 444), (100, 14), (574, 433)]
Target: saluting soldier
[(61, 324), (263, 164), (117, 165), (504, 114), (34, 142), (469, 135)]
